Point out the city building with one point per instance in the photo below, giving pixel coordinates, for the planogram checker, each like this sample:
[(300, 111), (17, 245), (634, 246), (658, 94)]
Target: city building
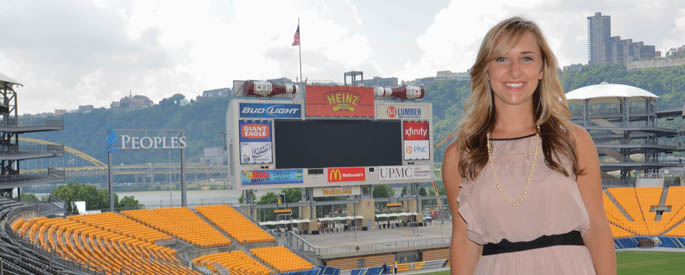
[(216, 92), (381, 81), (132, 102), (85, 109), (606, 49)]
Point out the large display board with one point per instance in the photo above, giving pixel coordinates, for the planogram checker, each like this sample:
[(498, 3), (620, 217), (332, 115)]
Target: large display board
[(330, 137), (337, 143)]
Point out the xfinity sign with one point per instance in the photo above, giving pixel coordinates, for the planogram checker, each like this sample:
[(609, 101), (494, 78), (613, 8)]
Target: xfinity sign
[(269, 110)]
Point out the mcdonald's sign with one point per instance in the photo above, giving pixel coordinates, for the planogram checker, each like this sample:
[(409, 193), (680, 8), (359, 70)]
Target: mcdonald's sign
[(346, 174)]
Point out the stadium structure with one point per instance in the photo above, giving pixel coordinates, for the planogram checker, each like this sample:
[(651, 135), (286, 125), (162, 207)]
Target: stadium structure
[(13, 153), (627, 134), (644, 205), (282, 136)]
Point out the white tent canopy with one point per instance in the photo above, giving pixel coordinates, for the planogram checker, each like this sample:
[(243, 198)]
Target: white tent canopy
[(341, 218), (284, 222), (403, 214), (4, 78), (607, 94)]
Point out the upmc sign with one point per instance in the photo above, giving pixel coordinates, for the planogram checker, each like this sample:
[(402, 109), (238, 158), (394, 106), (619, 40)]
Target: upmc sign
[(404, 172), (416, 140), (346, 174), (262, 110), (339, 101)]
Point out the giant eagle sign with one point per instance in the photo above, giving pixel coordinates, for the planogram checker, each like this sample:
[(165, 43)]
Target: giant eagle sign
[(145, 139)]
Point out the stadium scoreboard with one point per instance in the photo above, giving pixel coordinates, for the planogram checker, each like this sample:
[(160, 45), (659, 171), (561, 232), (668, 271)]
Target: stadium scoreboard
[(327, 136)]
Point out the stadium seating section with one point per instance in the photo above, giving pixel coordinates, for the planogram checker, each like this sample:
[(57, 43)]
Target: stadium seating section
[(236, 261), (130, 242), (232, 222), (182, 223), (642, 219), (282, 259)]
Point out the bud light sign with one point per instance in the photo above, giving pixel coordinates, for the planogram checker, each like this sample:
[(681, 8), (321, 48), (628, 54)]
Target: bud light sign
[(262, 110), (255, 142)]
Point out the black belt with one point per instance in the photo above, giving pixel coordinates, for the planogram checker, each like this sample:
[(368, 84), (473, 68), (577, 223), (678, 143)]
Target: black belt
[(504, 246)]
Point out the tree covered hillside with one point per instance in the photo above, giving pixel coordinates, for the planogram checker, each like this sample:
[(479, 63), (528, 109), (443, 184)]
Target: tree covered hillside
[(203, 121)]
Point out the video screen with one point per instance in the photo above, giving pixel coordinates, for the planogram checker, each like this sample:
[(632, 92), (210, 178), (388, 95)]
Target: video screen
[(337, 143)]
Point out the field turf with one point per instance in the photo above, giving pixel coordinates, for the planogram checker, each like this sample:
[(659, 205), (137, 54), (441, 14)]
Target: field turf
[(640, 263)]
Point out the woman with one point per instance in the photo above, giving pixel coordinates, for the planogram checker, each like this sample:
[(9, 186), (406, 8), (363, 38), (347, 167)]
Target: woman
[(523, 182)]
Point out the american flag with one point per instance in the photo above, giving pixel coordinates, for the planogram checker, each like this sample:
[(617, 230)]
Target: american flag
[(296, 38)]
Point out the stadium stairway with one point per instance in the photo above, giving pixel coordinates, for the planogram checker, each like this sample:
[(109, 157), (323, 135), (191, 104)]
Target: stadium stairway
[(619, 206)]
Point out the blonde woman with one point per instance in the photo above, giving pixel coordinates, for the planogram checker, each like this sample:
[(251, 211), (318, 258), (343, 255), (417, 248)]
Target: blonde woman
[(523, 182)]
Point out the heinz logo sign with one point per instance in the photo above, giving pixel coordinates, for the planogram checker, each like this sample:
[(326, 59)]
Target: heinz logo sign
[(255, 131), (261, 110)]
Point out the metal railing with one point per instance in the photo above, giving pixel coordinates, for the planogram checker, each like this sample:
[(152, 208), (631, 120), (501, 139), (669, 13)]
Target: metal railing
[(381, 247), (36, 122), (58, 150)]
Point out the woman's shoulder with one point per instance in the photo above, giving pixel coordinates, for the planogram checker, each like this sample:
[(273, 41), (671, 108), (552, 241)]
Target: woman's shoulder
[(581, 136)]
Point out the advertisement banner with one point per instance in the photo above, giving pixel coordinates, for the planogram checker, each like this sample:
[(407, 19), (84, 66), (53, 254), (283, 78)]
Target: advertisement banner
[(386, 173), (262, 177), (346, 174), (339, 101), (416, 150), (255, 142), (416, 140), (337, 191), (402, 111), (270, 110), (415, 130)]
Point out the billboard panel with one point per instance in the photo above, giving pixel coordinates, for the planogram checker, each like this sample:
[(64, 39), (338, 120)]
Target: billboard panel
[(387, 173), (255, 142), (416, 140), (270, 110), (346, 174), (337, 191), (263, 177), (337, 143), (339, 101), (402, 111)]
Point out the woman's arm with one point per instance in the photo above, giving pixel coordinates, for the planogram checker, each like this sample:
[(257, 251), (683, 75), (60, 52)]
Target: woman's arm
[(598, 238), (463, 252)]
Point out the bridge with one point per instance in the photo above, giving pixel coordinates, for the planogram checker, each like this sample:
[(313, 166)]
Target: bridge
[(79, 164)]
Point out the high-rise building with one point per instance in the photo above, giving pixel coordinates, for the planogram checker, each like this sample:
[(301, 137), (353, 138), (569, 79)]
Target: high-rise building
[(598, 32), (604, 48)]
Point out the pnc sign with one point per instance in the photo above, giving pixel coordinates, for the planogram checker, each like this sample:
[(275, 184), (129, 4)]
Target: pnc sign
[(346, 174)]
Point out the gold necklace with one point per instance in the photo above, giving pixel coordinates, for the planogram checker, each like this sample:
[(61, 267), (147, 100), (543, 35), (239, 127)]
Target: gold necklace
[(530, 175)]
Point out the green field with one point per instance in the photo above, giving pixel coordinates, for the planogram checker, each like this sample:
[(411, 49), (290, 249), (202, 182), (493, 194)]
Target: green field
[(640, 263)]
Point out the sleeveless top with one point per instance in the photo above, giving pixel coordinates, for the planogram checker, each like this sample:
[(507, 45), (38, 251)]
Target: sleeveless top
[(553, 206)]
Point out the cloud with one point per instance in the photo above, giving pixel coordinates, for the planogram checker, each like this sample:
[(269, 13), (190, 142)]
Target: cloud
[(75, 53), (452, 41)]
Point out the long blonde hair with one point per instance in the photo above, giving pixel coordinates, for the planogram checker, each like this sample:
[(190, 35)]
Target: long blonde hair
[(550, 108)]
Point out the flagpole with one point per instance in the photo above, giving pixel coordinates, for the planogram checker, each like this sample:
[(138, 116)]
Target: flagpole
[(299, 46)]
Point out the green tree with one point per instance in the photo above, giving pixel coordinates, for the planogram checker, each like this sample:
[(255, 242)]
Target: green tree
[(422, 191), (383, 191), (28, 197), (95, 199), (129, 202), (292, 194)]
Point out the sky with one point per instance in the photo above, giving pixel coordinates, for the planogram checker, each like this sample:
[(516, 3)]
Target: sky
[(79, 52)]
